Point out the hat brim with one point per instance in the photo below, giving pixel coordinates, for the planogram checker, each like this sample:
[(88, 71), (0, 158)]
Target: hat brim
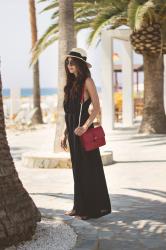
[(88, 64)]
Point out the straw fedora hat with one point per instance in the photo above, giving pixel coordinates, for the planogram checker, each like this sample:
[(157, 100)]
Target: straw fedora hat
[(80, 54)]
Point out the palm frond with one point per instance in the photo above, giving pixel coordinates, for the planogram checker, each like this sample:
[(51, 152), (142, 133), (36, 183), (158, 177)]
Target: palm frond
[(37, 52), (82, 25), (55, 14), (118, 20), (145, 14), (82, 5), (132, 13), (160, 11), (89, 1), (89, 13), (141, 14), (50, 6), (120, 4), (51, 30), (101, 21), (43, 41), (41, 1), (85, 8)]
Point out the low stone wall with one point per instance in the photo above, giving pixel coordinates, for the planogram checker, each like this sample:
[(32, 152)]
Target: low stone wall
[(57, 160)]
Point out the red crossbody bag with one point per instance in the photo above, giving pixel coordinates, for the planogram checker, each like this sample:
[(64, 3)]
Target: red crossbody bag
[(94, 137)]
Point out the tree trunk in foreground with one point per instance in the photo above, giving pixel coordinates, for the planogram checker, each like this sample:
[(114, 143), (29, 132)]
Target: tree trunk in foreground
[(66, 43), (154, 118), (37, 119), (18, 213)]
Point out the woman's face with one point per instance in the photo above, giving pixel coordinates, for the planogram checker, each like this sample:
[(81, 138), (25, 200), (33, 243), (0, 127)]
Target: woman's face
[(71, 66)]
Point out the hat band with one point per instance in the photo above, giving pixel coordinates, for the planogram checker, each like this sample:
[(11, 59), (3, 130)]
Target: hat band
[(72, 53)]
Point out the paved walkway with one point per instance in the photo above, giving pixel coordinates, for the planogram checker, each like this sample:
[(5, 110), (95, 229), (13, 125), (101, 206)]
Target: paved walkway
[(136, 184)]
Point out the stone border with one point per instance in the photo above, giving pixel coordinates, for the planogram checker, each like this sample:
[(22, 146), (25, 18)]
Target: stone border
[(87, 235), (57, 160)]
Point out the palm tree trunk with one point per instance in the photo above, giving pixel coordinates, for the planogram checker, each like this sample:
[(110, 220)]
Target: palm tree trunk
[(36, 81), (66, 42), (154, 118), (18, 213)]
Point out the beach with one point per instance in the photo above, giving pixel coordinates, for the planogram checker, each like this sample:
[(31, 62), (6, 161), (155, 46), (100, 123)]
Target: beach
[(48, 104)]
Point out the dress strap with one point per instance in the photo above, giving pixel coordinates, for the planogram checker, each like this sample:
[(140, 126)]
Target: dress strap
[(81, 102)]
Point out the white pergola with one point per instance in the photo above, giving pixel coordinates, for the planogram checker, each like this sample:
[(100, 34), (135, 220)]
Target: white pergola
[(107, 86)]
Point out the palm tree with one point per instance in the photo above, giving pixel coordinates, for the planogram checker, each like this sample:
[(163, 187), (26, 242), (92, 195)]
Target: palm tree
[(149, 39), (18, 213), (66, 43), (36, 81)]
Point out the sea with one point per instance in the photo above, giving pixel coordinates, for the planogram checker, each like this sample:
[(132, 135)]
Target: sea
[(25, 92)]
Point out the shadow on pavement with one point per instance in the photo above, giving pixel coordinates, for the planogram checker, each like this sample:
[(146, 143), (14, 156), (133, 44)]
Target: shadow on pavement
[(135, 222)]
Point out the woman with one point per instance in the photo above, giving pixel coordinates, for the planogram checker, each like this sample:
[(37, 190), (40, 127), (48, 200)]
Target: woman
[(91, 199)]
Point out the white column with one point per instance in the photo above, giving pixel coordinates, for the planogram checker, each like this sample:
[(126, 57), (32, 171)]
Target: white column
[(107, 83), (14, 101), (127, 74), (165, 83)]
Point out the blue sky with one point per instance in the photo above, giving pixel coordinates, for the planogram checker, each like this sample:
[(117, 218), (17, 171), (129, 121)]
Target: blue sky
[(15, 44)]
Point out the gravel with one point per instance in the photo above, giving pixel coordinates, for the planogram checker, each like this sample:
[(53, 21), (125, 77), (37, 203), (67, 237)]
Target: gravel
[(49, 235)]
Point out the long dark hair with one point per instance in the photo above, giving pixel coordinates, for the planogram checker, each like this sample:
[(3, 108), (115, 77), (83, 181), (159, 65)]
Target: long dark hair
[(74, 84)]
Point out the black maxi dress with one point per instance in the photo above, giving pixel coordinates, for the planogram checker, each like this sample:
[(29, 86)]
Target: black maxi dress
[(91, 196)]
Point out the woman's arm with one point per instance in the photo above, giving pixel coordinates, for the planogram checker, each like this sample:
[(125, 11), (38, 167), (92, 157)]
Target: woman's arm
[(91, 88), (64, 138), (65, 131)]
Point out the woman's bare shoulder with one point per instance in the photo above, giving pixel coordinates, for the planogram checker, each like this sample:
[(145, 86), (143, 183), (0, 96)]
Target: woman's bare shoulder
[(89, 81)]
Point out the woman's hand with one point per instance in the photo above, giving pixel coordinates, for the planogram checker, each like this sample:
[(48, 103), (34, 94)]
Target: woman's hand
[(80, 130), (63, 142)]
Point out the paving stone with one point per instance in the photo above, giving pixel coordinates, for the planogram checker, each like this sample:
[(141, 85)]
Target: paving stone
[(88, 245)]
